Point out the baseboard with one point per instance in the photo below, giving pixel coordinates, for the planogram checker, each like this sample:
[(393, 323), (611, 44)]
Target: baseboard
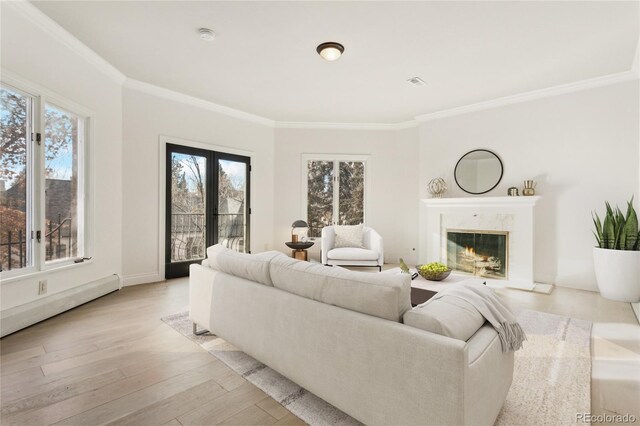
[(636, 310), (19, 317), (130, 280)]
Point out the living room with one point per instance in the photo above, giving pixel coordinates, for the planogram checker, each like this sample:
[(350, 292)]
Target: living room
[(385, 102)]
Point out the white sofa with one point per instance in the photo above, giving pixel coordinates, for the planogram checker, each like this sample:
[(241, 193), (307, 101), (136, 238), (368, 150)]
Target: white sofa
[(340, 335), (372, 254)]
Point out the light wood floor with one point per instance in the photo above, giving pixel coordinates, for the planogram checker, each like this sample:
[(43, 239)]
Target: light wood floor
[(113, 361)]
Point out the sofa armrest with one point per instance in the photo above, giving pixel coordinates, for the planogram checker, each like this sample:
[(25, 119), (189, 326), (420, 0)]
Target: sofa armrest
[(328, 240), (377, 245)]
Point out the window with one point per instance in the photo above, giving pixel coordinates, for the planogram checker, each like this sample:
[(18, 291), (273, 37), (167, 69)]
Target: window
[(42, 215), (335, 192), (16, 119), (64, 133)]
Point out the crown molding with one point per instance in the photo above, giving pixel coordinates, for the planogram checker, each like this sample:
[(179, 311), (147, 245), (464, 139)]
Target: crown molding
[(345, 126), (53, 29), (532, 95), (161, 92)]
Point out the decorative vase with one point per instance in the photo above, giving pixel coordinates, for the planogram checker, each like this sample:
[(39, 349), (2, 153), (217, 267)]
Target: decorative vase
[(436, 187), (618, 274), (529, 188)]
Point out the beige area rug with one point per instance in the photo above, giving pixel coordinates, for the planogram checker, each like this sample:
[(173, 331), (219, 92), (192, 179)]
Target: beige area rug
[(551, 380)]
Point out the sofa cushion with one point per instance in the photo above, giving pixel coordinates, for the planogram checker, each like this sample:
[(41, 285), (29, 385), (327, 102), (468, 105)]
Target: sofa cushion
[(449, 317), (381, 295), (254, 267), (351, 253), (349, 236)]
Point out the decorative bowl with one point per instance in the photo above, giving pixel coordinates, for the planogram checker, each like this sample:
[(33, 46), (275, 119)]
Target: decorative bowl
[(300, 245), (433, 276)]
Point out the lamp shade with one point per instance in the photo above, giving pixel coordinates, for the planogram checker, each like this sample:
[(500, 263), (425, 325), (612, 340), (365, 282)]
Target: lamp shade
[(299, 224)]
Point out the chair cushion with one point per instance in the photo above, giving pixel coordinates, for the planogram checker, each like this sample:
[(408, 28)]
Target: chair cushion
[(448, 317), (349, 235), (350, 253), (254, 267), (381, 295)]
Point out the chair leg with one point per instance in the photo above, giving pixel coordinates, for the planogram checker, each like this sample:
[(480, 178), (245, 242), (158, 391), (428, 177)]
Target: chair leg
[(379, 268), (196, 332)]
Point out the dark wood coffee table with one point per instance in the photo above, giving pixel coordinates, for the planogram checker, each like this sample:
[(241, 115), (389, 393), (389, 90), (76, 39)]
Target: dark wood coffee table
[(420, 295)]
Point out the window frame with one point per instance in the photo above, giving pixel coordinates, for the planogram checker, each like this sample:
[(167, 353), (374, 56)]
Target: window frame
[(36, 178), (336, 159)]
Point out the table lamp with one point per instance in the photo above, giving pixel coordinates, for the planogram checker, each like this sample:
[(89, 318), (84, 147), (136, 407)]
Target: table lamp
[(297, 224)]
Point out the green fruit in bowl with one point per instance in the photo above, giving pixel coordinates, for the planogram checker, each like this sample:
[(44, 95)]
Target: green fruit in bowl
[(434, 267)]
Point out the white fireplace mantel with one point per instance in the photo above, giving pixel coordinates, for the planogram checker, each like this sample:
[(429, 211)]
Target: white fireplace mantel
[(483, 201), (512, 214)]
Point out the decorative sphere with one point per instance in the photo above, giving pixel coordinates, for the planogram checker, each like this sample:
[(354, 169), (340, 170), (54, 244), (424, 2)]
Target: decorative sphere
[(437, 187)]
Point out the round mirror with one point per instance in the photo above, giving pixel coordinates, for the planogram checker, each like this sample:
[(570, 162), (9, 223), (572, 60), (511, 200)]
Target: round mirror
[(478, 171)]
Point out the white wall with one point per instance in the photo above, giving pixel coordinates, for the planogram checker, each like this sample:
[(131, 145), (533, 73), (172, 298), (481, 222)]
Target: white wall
[(34, 55), (145, 118), (582, 148), (392, 179)]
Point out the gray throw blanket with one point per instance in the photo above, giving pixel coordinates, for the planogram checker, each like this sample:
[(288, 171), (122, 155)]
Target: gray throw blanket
[(485, 301)]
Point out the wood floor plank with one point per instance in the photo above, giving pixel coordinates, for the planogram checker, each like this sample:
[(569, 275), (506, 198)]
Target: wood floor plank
[(224, 407), (173, 422), (21, 354), (28, 384), (176, 405), (156, 341), (86, 401), (21, 376), (252, 415), (49, 383), (146, 397), (272, 407), (48, 358), (60, 393), (231, 380), (290, 420)]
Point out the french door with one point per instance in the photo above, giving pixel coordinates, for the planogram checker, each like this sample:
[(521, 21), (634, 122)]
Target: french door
[(207, 202)]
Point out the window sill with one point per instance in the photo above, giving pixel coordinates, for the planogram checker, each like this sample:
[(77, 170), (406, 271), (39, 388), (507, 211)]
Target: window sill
[(51, 268)]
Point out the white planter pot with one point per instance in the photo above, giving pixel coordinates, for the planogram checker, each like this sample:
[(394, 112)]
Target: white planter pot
[(618, 274)]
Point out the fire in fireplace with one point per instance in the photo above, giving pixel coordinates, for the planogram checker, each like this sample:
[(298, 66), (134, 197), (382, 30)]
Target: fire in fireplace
[(481, 253)]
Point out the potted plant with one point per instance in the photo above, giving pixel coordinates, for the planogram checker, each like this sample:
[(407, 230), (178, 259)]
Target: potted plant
[(617, 257)]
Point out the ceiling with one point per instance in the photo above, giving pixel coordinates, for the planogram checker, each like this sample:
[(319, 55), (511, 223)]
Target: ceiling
[(263, 60)]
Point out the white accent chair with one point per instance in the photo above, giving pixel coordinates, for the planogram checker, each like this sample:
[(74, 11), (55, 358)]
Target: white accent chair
[(371, 255)]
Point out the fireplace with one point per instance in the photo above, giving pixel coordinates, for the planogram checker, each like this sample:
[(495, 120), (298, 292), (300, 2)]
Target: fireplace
[(481, 253)]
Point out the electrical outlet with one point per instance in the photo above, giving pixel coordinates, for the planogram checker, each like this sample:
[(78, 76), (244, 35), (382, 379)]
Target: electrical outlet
[(42, 287)]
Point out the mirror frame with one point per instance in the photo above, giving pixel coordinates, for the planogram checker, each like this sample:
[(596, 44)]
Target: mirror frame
[(455, 176)]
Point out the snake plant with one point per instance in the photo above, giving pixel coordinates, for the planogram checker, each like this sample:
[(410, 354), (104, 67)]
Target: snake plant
[(618, 231)]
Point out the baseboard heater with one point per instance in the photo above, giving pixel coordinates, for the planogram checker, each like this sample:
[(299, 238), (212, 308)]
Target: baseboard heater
[(19, 317)]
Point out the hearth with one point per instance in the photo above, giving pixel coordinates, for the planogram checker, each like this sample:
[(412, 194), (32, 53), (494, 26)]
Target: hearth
[(481, 253)]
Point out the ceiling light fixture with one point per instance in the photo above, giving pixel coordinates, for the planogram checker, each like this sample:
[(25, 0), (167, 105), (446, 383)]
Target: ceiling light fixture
[(206, 34), (330, 51)]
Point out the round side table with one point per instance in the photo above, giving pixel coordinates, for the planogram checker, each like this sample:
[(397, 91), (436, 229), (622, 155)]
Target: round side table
[(299, 249)]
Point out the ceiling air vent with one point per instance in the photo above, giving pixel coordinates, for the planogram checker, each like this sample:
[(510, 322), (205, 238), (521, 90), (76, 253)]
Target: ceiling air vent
[(416, 81)]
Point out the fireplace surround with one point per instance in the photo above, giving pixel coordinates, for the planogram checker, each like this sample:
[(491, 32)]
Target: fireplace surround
[(512, 217)]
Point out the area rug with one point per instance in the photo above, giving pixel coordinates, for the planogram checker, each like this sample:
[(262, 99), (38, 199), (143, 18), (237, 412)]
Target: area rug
[(551, 378)]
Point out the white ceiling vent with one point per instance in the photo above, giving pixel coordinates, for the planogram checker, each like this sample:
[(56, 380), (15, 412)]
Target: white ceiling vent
[(416, 81)]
